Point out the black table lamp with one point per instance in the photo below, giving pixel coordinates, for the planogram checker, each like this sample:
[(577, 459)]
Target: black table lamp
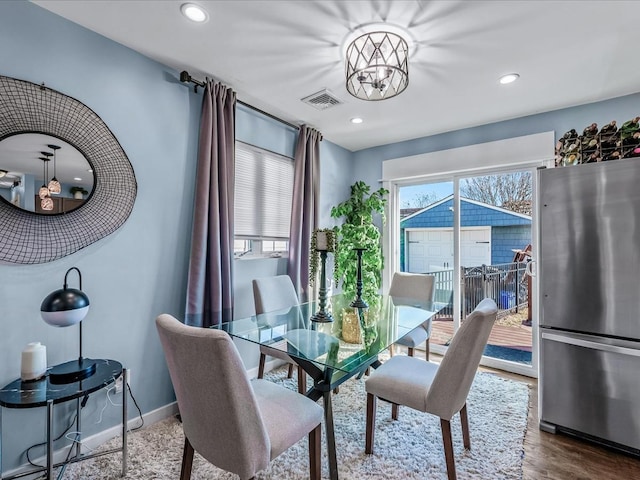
[(63, 308)]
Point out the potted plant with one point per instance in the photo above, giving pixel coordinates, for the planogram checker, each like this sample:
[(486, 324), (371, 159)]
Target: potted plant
[(78, 192), (358, 230)]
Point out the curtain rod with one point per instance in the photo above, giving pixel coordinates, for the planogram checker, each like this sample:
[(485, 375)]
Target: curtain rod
[(186, 78)]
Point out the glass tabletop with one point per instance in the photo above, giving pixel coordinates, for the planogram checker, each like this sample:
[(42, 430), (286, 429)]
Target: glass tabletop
[(28, 394), (354, 338)]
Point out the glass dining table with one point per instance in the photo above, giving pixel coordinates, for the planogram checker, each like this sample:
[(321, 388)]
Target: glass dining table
[(333, 352)]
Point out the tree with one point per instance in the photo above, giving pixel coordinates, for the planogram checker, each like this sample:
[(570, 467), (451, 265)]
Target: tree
[(420, 200), (512, 191)]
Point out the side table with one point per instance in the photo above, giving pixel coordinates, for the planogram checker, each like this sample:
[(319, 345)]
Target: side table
[(43, 393)]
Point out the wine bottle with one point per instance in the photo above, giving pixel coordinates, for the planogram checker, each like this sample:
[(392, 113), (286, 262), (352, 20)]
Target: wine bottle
[(590, 131), (630, 127)]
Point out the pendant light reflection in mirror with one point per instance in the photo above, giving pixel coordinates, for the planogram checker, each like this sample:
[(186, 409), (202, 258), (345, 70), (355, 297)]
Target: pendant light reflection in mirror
[(44, 174)]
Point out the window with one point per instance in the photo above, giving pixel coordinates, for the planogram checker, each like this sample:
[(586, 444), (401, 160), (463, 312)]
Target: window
[(263, 196)]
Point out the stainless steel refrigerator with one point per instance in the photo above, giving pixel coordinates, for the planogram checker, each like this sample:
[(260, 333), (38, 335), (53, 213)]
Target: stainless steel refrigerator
[(589, 267)]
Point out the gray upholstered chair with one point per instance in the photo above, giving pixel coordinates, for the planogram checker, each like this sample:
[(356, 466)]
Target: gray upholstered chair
[(414, 286), (271, 294), (236, 424), (437, 389)]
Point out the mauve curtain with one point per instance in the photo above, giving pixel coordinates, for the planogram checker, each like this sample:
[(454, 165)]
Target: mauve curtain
[(304, 211), (210, 282)]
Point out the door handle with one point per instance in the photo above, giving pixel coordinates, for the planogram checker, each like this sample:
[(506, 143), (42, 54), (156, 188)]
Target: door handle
[(528, 270), (578, 342)]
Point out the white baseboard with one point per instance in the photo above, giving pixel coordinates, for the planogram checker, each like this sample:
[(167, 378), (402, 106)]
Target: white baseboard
[(268, 366), (94, 441)]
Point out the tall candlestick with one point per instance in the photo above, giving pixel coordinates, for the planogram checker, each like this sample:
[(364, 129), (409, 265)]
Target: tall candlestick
[(322, 315), (359, 302)]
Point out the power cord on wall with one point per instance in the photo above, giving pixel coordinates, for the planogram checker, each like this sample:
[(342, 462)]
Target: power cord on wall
[(139, 411)]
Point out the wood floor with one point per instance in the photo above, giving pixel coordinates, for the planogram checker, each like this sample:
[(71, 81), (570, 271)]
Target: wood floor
[(561, 457)]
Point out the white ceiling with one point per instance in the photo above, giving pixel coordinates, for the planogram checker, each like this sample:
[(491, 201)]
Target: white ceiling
[(273, 53)]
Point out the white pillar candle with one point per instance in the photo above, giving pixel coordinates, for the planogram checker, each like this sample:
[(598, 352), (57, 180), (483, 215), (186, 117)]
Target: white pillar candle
[(34, 361), (321, 241)]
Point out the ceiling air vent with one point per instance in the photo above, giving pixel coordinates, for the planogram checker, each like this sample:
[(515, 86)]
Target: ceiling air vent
[(322, 100)]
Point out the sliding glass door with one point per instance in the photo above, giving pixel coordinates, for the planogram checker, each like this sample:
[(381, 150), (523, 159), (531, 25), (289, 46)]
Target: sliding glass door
[(426, 244), (475, 234)]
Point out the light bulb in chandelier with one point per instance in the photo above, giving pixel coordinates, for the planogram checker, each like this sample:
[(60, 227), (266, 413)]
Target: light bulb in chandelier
[(377, 65), (44, 190), (54, 185), (46, 203)]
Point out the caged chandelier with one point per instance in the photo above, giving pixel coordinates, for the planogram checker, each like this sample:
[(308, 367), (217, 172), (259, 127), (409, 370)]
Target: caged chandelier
[(377, 66)]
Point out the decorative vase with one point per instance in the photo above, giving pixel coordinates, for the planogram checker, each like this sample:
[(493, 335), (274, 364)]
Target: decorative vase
[(351, 332)]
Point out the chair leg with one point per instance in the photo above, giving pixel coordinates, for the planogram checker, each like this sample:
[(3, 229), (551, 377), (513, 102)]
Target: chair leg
[(466, 439), (394, 411), (410, 351), (315, 442), (290, 371), (187, 460), (302, 381), (426, 350), (445, 425), (371, 423), (391, 350), (263, 358)]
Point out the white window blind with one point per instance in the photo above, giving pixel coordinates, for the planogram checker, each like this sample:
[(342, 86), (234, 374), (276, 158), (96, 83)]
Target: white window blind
[(263, 193)]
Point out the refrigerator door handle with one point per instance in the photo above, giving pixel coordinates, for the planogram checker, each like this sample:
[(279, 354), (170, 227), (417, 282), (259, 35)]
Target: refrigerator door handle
[(605, 347)]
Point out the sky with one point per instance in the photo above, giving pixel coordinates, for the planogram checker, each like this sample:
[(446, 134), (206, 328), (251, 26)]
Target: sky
[(409, 194)]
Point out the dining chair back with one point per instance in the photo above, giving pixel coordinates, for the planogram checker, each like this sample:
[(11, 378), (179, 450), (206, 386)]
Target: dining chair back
[(235, 424), (442, 389), (415, 286), (272, 294)]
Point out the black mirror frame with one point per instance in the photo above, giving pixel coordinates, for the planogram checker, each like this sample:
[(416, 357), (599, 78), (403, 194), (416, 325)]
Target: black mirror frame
[(29, 238)]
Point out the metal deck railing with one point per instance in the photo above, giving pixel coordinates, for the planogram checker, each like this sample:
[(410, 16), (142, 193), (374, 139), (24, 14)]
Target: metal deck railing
[(505, 283)]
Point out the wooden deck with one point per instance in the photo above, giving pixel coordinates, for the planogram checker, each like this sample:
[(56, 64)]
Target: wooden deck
[(516, 337)]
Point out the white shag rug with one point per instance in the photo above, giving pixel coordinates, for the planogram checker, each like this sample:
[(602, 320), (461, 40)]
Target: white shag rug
[(410, 448)]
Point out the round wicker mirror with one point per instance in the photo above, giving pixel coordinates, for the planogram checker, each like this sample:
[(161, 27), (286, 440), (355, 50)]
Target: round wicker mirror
[(29, 238)]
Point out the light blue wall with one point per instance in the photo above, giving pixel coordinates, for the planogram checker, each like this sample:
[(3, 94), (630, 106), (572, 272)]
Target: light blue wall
[(139, 271), (368, 162)]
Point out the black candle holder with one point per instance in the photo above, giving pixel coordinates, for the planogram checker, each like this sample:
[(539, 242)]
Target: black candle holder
[(322, 315), (359, 302)]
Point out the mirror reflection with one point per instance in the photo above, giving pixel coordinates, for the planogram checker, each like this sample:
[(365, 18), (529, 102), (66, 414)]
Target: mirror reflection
[(43, 174)]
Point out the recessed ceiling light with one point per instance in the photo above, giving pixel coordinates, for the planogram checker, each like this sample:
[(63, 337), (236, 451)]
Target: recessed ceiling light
[(509, 78), (356, 120), (77, 179), (194, 12)]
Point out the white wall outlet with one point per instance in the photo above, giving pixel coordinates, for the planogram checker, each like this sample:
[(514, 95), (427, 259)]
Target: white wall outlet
[(119, 382)]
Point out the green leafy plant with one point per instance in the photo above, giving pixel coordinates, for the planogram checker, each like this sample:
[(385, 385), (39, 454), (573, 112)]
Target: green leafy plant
[(359, 231)]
